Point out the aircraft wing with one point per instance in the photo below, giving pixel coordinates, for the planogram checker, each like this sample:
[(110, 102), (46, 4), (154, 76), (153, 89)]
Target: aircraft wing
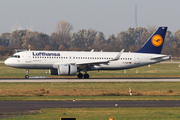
[(93, 62), (84, 64)]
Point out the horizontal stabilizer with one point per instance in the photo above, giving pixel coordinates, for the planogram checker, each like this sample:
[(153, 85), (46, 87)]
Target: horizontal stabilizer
[(159, 57)]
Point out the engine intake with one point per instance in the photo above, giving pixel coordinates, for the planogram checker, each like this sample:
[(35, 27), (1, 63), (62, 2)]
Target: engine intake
[(67, 70)]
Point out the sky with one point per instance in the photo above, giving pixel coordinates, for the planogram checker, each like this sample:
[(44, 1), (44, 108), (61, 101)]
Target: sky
[(107, 16)]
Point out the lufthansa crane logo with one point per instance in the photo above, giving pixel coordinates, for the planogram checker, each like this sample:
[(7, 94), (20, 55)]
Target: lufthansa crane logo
[(157, 40)]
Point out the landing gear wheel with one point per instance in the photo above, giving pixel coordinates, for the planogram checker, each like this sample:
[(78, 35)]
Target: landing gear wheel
[(26, 76), (86, 76), (80, 75)]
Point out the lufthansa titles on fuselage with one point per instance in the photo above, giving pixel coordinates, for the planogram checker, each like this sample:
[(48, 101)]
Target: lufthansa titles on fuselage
[(45, 54)]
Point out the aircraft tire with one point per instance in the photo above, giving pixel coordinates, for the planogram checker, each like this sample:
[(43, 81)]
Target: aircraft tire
[(80, 75), (86, 76), (27, 76)]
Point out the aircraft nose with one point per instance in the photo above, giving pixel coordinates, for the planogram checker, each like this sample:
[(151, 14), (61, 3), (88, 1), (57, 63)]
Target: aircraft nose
[(10, 62), (7, 62)]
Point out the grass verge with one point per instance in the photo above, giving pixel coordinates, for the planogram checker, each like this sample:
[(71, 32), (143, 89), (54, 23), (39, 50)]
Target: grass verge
[(154, 71), (92, 98), (118, 113), (90, 91)]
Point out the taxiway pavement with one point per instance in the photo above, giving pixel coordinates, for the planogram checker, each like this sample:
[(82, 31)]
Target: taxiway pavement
[(15, 106), (35, 106)]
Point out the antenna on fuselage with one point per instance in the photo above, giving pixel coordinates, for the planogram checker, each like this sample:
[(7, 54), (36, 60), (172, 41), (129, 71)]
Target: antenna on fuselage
[(92, 50), (29, 47)]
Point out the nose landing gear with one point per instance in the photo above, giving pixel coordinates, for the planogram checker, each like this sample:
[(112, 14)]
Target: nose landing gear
[(27, 74)]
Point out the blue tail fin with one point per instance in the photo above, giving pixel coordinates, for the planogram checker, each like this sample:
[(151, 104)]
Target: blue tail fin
[(155, 42)]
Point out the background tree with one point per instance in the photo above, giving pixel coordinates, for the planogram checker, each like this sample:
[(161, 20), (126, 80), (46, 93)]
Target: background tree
[(90, 36), (175, 45), (170, 40), (63, 31), (53, 41), (4, 39), (131, 40), (83, 40), (100, 42), (35, 40), (15, 38)]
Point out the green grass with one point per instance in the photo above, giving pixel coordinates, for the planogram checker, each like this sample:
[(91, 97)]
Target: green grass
[(90, 91), (155, 71), (119, 113), (94, 91), (90, 98)]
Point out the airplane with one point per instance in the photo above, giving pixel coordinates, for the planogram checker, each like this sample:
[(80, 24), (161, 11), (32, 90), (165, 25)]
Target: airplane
[(71, 63)]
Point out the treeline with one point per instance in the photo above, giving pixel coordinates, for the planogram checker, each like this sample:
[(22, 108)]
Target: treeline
[(84, 40)]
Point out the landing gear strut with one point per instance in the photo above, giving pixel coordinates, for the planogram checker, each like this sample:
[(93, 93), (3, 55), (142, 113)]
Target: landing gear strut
[(27, 74)]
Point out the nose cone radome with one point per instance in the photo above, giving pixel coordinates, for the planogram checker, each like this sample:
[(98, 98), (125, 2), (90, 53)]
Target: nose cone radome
[(8, 62)]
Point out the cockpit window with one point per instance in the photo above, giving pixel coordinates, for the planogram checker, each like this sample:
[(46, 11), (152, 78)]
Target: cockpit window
[(16, 56)]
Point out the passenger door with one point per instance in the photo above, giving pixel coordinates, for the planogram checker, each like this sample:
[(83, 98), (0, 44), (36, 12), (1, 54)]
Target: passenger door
[(28, 57), (137, 61)]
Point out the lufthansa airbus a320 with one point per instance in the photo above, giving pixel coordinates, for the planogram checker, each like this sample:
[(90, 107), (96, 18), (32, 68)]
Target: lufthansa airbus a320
[(69, 63)]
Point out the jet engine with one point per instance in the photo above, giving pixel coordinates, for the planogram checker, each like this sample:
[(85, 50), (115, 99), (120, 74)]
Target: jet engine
[(65, 70)]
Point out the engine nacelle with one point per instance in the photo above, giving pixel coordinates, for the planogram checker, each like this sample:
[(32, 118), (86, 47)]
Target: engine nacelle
[(64, 69), (67, 70)]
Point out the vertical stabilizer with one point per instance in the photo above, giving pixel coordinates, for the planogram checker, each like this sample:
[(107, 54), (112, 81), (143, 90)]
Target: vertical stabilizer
[(155, 43)]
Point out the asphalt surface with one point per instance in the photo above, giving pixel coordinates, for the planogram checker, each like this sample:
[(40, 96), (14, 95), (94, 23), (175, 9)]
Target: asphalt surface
[(92, 80), (35, 106), (15, 106)]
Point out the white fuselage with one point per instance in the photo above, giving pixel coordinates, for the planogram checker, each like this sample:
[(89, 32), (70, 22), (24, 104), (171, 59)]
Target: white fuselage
[(49, 59)]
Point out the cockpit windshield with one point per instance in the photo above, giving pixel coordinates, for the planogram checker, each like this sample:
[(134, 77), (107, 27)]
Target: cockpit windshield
[(15, 56)]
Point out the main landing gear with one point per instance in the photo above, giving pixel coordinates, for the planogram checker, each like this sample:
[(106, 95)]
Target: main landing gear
[(86, 76), (80, 76), (27, 74)]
